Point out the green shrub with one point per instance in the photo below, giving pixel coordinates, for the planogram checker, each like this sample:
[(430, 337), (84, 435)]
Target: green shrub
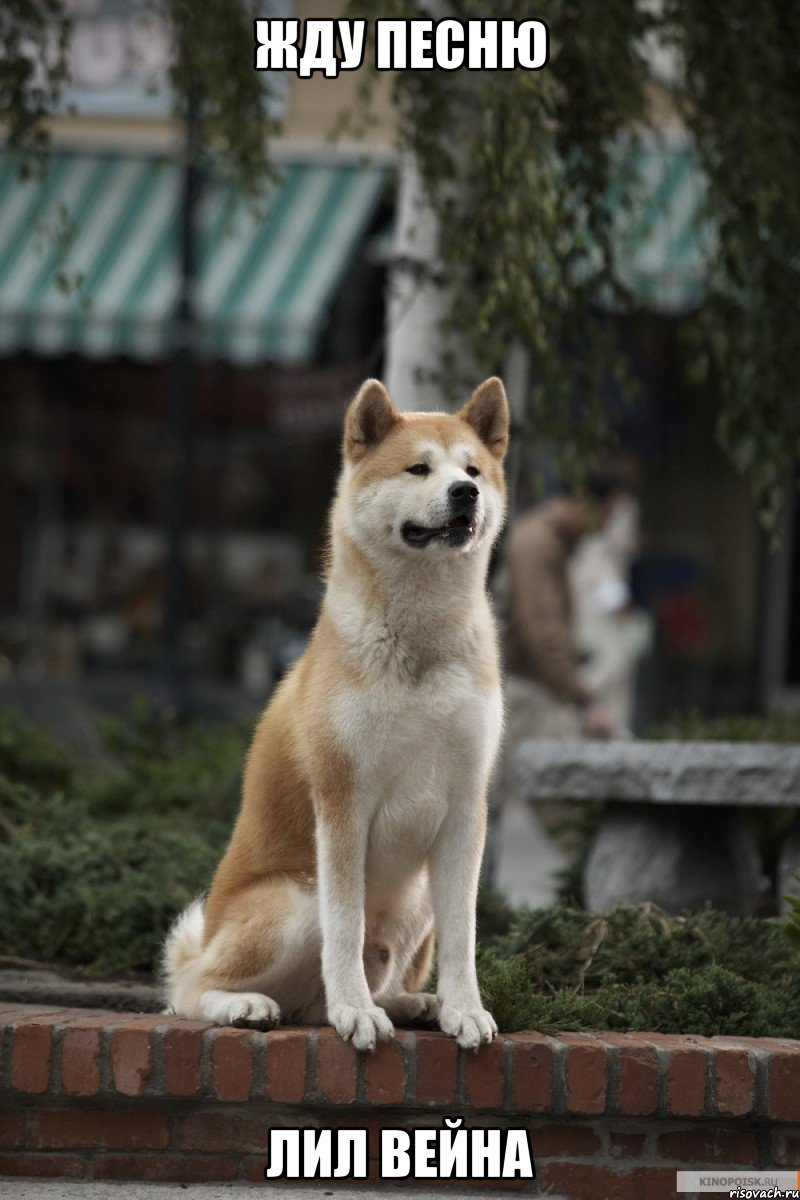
[(637, 968), (160, 765), (692, 725), (567, 947), (95, 863), (30, 756), (100, 894)]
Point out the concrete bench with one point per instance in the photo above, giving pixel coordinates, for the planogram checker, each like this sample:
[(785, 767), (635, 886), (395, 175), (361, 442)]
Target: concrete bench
[(672, 832)]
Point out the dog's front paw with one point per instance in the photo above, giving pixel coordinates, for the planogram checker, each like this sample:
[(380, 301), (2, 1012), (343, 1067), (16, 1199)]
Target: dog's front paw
[(361, 1026), (469, 1026)]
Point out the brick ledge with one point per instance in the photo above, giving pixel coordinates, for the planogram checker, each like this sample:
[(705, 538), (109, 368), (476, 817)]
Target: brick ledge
[(121, 1095)]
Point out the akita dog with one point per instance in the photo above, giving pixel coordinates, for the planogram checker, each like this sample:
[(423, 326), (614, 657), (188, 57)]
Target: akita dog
[(363, 814)]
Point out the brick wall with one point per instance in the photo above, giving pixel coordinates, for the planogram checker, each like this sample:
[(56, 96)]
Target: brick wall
[(118, 1096)]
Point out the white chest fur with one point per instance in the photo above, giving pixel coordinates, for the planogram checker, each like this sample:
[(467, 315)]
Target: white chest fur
[(417, 750)]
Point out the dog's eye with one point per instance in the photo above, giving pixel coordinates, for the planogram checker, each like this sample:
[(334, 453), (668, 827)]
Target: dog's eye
[(419, 469), (472, 471)]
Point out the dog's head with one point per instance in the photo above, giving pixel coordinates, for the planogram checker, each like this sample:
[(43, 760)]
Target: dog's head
[(424, 484)]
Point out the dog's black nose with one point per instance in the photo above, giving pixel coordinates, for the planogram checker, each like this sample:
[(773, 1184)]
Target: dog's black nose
[(462, 494)]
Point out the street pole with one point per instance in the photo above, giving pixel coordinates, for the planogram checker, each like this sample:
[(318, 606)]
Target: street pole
[(182, 382), (516, 375)]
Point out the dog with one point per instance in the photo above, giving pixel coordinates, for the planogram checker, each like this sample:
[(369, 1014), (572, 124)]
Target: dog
[(363, 812)]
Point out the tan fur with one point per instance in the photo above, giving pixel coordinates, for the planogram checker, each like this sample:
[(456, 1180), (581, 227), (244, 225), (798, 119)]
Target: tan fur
[(301, 782)]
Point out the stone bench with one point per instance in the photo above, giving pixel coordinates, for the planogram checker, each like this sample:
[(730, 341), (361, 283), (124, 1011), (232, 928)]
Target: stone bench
[(672, 832)]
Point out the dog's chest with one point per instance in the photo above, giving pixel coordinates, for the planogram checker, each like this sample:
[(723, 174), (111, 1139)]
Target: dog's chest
[(393, 731), (415, 750)]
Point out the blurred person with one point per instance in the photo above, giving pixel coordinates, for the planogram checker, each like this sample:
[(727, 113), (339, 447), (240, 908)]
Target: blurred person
[(611, 634), (547, 695)]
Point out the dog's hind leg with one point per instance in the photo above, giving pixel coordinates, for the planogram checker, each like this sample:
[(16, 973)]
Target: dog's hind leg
[(251, 1009), (262, 958), (409, 1003)]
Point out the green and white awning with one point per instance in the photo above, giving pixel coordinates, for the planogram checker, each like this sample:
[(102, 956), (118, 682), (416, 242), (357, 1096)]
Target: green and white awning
[(88, 252), (88, 257)]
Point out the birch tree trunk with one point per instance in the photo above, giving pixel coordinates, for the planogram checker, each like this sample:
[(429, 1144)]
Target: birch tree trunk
[(417, 300)]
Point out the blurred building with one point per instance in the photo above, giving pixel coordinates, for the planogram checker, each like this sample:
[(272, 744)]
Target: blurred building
[(290, 316)]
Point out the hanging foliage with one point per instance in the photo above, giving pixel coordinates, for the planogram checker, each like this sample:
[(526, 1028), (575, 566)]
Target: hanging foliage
[(519, 167), (212, 54), (34, 36), (742, 105)]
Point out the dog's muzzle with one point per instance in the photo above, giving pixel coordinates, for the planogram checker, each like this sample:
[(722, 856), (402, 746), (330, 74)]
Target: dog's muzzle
[(462, 498)]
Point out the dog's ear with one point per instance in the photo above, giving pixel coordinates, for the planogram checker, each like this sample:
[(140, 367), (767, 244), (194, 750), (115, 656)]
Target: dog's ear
[(369, 418), (487, 412)]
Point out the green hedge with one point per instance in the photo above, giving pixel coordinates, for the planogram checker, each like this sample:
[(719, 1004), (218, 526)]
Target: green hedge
[(96, 859), (637, 968)]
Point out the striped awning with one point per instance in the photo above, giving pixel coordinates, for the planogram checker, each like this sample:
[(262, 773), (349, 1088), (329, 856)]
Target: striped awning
[(89, 257)]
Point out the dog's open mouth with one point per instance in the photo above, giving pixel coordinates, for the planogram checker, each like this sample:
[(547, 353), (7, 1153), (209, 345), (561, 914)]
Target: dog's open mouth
[(456, 532)]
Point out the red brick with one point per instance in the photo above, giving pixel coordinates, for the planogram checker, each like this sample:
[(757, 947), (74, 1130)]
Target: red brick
[(484, 1081), (10, 1013), (785, 1148), (91, 1019), (437, 1063), (626, 1145), (373, 1126), (686, 1082), (583, 1181), (658, 1183), (166, 1168), (219, 1131), (41, 1166), (12, 1127), (75, 1129), (80, 1061), (182, 1050), (752, 1043), (734, 1083), (232, 1063), (337, 1065), (532, 1059), (253, 1169), (784, 1085), (285, 1079), (709, 1147), (568, 1141), (31, 1054), (385, 1073), (131, 1059), (585, 1074), (637, 1074)]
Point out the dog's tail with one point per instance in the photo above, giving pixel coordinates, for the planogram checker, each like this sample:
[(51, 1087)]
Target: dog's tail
[(180, 959)]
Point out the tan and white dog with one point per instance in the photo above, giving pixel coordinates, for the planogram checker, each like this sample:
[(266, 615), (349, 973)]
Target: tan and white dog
[(364, 801)]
